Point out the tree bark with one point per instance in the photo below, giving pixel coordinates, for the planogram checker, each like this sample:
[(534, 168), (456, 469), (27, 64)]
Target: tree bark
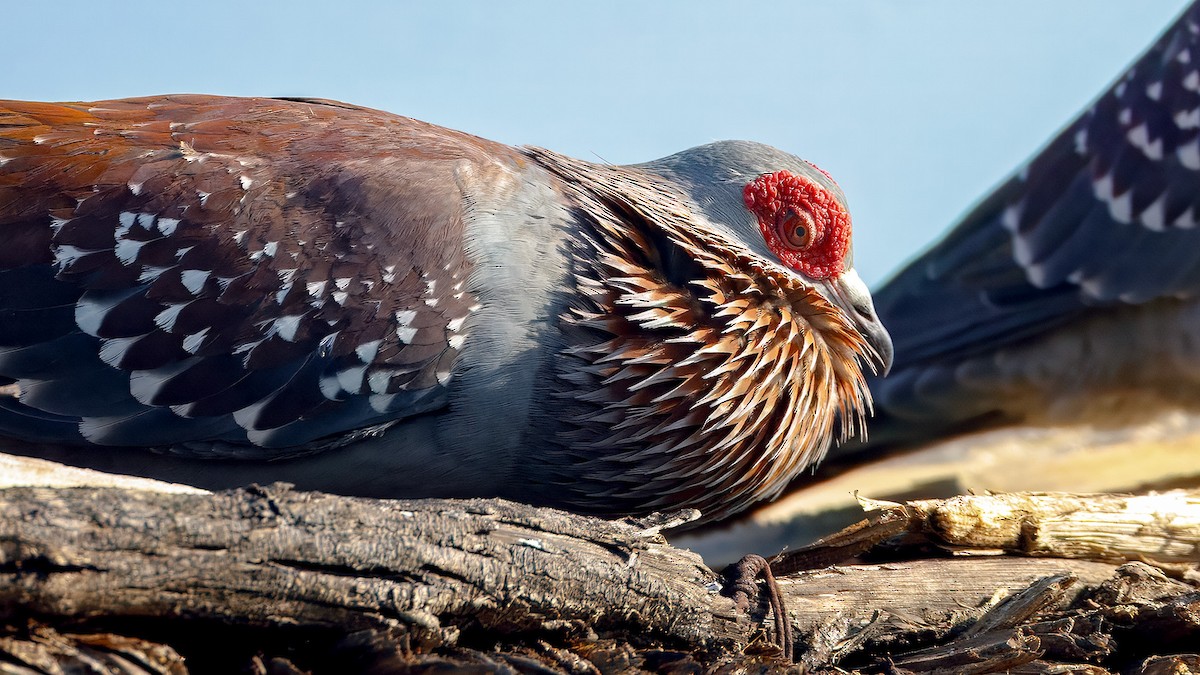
[(271, 579)]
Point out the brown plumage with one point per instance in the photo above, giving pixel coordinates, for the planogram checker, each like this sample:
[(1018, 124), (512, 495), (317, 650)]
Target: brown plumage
[(224, 290)]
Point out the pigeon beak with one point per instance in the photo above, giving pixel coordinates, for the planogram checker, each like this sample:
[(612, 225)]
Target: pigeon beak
[(850, 293)]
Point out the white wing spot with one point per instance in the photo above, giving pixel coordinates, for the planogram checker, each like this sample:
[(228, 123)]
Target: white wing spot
[(1192, 81), (66, 255), (351, 379), (1188, 119), (406, 334), (340, 297), (167, 225), (368, 350), (456, 341), (150, 273), (1189, 154), (246, 181), (456, 324), (1103, 187), (193, 280), (315, 288), (405, 316), (127, 219), (342, 283), (1011, 218), (192, 343), (286, 326), (166, 318), (1154, 216), (126, 250), (1187, 219), (378, 381), (1154, 90), (1139, 136), (1121, 208)]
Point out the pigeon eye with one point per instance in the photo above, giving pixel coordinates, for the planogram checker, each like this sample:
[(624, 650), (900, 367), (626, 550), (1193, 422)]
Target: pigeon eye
[(795, 228)]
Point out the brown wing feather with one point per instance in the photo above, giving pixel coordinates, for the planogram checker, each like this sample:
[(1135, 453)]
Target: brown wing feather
[(253, 272)]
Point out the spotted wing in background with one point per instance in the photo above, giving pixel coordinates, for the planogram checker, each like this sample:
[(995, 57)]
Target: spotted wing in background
[(1105, 217), (251, 274)]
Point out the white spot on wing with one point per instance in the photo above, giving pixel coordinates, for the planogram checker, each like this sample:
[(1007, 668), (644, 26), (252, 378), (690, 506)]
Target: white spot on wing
[(167, 225), (351, 379), (1154, 216), (1139, 136), (1011, 218), (1103, 187), (286, 326), (456, 341), (66, 255), (113, 350), (127, 219), (192, 343), (378, 381), (1121, 208), (406, 334), (405, 317), (1187, 219), (150, 273), (340, 297), (368, 350), (126, 250), (246, 181), (145, 220), (1189, 154), (1192, 81), (342, 283), (456, 324), (1154, 90), (166, 319), (315, 288), (1188, 119), (193, 280)]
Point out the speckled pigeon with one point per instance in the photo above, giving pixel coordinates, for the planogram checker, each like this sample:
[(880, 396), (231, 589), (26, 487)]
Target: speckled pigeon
[(221, 290)]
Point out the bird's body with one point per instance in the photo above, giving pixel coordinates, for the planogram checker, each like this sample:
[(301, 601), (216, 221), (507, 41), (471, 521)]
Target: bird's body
[(219, 291), (1069, 296)]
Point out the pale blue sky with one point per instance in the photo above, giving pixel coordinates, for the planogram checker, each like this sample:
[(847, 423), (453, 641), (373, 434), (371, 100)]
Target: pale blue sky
[(916, 107)]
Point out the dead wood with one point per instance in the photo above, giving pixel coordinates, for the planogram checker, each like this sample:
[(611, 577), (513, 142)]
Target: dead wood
[(268, 579)]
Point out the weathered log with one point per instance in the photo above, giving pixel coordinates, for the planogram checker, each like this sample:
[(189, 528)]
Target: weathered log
[(272, 579)]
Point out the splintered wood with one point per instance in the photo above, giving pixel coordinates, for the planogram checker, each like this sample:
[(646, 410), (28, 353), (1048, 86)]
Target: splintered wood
[(305, 582)]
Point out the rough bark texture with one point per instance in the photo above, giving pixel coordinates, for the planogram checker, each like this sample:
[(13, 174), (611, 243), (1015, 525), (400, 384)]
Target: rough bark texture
[(272, 580)]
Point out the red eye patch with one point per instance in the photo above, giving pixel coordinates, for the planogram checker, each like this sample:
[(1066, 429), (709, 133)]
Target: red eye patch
[(803, 223)]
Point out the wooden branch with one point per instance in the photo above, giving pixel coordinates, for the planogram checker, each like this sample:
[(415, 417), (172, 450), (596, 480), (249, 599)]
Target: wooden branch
[(271, 578)]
